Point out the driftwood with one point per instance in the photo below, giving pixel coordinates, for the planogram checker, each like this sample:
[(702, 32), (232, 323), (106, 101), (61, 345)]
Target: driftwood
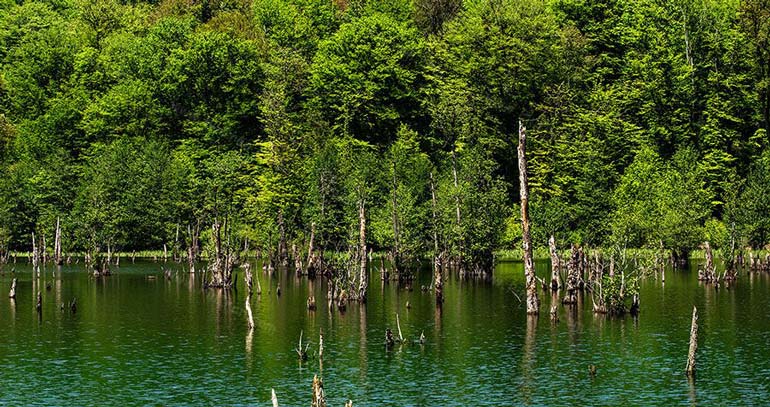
[(533, 303), (690, 369)]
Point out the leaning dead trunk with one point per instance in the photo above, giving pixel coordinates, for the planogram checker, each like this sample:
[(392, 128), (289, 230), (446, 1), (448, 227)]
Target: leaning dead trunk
[(533, 304), (555, 264), (690, 369)]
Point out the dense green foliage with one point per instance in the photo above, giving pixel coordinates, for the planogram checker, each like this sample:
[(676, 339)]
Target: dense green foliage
[(648, 122)]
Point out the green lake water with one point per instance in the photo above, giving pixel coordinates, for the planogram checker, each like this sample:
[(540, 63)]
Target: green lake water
[(138, 338)]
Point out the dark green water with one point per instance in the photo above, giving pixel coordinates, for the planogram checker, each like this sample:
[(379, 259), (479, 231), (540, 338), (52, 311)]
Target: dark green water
[(141, 340)]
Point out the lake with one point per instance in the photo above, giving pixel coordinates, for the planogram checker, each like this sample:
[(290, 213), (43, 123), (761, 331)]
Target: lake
[(138, 338)]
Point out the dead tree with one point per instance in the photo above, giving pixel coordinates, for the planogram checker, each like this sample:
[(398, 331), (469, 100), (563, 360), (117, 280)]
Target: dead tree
[(707, 273), (248, 278), (363, 275), (35, 255), (249, 314), (573, 276), (57, 244), (555, 264), (319, 397), (438, 281), (312, 263), (690, 369), (533, 303), (12, 293), (221, 265)]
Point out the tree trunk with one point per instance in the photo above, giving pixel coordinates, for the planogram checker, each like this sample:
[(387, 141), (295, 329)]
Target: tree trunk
[(362, 276), (394, 205), (57, 243), (707, 273), (35, 256), (282, 248), (12, 293), (533, 303), (319, 398), (573, 276), (457, 210), (690, 369), (555, 264), (311, 261), (435, 217), (438, 281)]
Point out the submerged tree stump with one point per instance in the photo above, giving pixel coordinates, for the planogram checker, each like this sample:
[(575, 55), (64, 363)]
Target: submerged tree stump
[(438, 281), (690, 369), (319, 398), (555, 264)]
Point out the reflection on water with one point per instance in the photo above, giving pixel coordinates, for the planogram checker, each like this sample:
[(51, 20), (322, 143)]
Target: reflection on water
[(141, 338)]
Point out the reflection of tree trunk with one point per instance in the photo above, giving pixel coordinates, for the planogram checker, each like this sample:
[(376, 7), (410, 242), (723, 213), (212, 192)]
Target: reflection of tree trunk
[(533, 303), (529, 384)]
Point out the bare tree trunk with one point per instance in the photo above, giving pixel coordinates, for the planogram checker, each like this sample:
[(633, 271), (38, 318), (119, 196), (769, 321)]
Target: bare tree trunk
[(690, 369), (282, 247), (457, 210), (35, 256), (363, 275), (57, 243), (12, 293), (435, 217), (555, 264), (319, 398), (394, 205), (438, 282), (707, 273), (311, 263), (573, 275), (533, 304)]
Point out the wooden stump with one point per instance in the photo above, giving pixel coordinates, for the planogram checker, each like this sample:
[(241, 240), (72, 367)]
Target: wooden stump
[(690, 369), (319, 398), (555, 264)]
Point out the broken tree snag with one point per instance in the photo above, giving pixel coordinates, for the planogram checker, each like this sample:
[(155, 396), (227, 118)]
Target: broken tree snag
[(390, 341), (301, 352), (533, 304), (283, 255), (363, 275), (707, 273), (400, 337), (319, 398), (12, 294), (299, 268), (248, 278), (35, 256), (311, 257), (438, 281), (221, 266), (690, 370), (57, 243), (274, 398), (555, 264), (573, 275), (248, 314)]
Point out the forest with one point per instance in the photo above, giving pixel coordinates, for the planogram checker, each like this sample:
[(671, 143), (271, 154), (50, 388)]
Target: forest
[(387, 124)]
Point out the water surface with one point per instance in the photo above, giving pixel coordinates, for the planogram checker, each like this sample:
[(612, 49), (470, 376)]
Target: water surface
[(138, 338)]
